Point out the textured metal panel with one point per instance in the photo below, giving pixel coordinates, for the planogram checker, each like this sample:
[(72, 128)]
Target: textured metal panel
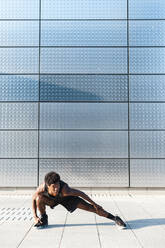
[(83, 60), (84, 33), (83, 9), (147, 144), (147, 60), (19, 9), (18, 172), (147, 33), (84, 115), (19, 33), (146, 9), (83, 144), (147, 115), (83, 88), (19, 115), (147, 87), (19, 87), (147, 173), (19, 60), (88, 172), (18, 144)]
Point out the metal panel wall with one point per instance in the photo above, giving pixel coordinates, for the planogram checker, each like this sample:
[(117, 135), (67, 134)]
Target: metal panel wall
[(84, 9), (146, 9), (18, 172), (82, 92), (90, 88), (82, 172), (147, 88), (147, 33), (25, 33), (84, 33), (147, 115), (19, 87), (147, 118), (83, 116), (19, 9), (80, 60), (19, 116), (147, 60), (147, 172), (19, 60), (83, 144), (18, 144)]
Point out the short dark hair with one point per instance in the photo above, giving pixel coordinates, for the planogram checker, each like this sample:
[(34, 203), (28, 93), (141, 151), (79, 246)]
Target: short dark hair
[(51, 178)]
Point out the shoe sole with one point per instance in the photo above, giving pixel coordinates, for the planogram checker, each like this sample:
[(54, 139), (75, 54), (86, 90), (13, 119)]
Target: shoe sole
[(40, 227), (121, 227)]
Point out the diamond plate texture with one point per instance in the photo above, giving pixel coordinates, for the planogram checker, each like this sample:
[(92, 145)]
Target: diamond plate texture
[(83, 9), (19, 9), (147, 173), (19, 115), (83, 115), (83, 144), (19, 88), (147, 60), (147, 115), (18, 172), (147, 144), (19, 144), (83, 60), (82, 153), (146, 9), (19, 60), (147, 33), (84, 33), (19, 33), (83, 88), (147, 87), (88, 172), (15, 214)]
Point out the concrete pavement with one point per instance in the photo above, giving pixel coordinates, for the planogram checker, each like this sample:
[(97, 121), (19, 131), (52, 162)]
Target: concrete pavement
[(144, 213)]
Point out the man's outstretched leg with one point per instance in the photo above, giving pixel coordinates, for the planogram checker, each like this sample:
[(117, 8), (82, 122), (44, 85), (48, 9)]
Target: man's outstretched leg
[(101, 212)]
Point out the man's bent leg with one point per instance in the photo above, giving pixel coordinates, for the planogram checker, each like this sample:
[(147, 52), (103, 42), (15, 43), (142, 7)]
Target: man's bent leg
[(42, 201)]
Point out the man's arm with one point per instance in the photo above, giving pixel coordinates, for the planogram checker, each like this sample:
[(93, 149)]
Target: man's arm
[(67, 191), (40, 189), (34, 206)]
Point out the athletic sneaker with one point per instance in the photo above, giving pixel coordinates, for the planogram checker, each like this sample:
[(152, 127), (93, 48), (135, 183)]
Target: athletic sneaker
[(119, 222), (44, 220)]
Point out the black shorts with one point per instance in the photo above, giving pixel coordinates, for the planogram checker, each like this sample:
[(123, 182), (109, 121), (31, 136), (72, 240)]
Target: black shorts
[(70, 202)]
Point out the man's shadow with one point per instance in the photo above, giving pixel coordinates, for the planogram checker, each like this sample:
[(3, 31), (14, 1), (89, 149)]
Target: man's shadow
[(131, 224)]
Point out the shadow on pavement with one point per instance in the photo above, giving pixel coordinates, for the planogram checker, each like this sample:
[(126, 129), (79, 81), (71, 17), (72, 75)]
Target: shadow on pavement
[(131, 224)]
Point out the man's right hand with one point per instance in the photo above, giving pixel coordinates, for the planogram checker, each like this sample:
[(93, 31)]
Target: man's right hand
[(37, 220)]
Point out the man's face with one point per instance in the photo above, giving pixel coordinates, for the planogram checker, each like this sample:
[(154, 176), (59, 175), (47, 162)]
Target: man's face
[(54, 188)]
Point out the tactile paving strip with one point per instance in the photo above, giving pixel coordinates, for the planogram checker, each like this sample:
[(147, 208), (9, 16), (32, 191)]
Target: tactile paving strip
[(12, 214)]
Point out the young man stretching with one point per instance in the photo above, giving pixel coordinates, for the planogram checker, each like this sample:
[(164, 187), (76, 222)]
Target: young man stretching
[(54, 191)]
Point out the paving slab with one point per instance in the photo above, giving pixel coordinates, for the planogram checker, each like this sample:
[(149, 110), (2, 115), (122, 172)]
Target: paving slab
[(47, 237), (80, 230), (147, 228), (110, 235)]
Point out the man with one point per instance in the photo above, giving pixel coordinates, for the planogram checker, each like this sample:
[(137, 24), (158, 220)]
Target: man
[(54, 191)]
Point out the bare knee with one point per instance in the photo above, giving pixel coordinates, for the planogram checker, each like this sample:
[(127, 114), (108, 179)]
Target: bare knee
[(43, 200)]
